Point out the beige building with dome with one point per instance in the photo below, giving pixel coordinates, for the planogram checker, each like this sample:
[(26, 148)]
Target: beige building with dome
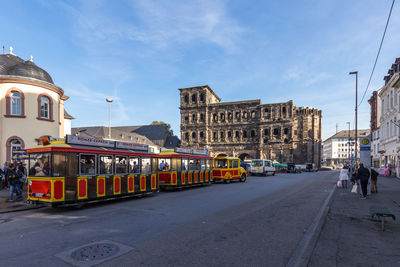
[(31, 105)]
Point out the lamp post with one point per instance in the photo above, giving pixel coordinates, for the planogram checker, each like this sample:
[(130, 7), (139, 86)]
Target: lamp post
[(355, 139), (109, 100), (348, 143)]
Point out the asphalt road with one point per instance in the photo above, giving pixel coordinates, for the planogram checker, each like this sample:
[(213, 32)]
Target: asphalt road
[(258, 223)]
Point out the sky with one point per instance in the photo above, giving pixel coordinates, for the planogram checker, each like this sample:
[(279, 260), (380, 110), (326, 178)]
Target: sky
[(139, 52)]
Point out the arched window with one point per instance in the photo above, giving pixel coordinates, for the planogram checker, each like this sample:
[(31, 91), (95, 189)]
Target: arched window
[(194, 117), (187, 136), (286, 131), (237, 134), (193, 135), (13, 143), (186, 99), (202, 98), (253, 133), (194, 98), (16, 104), (44, 107), (276, 131), (244, 134), (253, 114)]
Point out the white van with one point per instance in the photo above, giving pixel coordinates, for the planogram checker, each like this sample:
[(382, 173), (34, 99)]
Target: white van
[(262, 166)]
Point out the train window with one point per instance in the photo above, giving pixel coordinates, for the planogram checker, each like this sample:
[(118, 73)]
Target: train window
[(221, 163), (192, 165), (176, 164), (145, 165), (134, 165), (59, 163), (208, 164), (235, 164), (203, 164), (164, 164), (105, 164), (121, 164), (87, 164), (185, 165), (39, 164)]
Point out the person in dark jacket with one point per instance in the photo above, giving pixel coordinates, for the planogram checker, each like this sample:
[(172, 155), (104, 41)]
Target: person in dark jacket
[(374, 180), (13, 176), (363, 175)]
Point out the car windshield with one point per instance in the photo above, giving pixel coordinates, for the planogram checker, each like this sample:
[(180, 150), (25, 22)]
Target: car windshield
[(256, 163)]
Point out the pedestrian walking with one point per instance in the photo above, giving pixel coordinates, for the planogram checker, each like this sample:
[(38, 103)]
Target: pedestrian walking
[(23, 170), (13, 176), (363, 176), (374, 180), (343, 176), (5, 181)]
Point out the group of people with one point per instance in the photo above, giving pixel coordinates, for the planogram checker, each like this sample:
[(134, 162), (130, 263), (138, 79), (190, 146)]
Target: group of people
[(13, 176), (358, 174)]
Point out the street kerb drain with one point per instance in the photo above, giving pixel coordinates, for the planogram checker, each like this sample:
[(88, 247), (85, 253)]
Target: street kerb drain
[(94, 253)]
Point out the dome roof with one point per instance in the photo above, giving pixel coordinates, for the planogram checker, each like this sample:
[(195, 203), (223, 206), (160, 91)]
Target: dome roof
[(15, 66)]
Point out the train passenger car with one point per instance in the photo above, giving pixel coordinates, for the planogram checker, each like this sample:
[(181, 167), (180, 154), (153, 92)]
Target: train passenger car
[(227, 169), (183, 168), (82, 169)]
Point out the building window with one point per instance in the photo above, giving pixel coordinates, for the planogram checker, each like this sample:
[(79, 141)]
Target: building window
[(229, 134), (237, 134), (222, 117), (187, 136), (194, 98), (186, 97), (13, 143), (215, 137), (16, 104), (237, 115), (201, 117), (193, 135), (244, 134), (201, 135), (44, 107), (230, 116), (215, 117), (253, 114), (202, 97), (222, 134), (186, 119), (286, 131), (194, 117), (266, 132), (276, 131), (244, 114), (265, 140)]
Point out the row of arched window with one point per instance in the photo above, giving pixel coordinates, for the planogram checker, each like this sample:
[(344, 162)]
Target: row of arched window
[(15, 105), (193, 98), (222, 135)]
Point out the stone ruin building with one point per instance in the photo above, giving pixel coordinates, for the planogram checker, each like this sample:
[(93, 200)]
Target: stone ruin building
[(249, 129)]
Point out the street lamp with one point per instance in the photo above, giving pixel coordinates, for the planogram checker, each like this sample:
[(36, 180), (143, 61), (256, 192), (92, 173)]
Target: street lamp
[(355, 143), (109, 100), (348, 143)]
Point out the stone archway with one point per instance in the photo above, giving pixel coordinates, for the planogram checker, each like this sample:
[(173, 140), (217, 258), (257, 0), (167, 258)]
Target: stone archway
[(221, 155), (243, 156)]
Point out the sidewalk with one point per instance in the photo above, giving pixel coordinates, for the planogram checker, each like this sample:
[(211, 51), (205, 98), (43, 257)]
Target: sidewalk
[(20, 205), (350, 237)]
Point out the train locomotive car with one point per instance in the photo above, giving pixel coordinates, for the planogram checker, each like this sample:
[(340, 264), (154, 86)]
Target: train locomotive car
[(227, 169), (84, 169), (182, 168)]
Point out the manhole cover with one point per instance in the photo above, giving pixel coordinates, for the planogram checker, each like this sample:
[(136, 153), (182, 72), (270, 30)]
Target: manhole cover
[(96, 252)]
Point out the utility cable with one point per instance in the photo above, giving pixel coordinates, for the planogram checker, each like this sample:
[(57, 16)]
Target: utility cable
[(379, 51)]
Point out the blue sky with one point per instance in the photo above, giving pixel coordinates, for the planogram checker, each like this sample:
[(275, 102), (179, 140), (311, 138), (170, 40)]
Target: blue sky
[(140, 52)]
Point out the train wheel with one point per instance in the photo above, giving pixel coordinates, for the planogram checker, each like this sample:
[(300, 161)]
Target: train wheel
[(243, 179)]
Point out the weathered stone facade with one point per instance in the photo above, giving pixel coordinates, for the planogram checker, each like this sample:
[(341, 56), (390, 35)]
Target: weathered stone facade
[(249, 129)]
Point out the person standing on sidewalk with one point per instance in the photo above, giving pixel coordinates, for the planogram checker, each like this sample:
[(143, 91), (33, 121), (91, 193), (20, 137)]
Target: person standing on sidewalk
[(343, 176), (13, 176), (374, 180), (363, 176)]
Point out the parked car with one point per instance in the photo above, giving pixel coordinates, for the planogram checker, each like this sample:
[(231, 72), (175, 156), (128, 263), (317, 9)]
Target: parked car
[(262, 166), (292, 168)]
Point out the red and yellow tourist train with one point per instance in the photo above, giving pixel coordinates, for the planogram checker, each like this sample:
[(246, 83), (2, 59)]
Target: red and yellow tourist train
[(83, 169), (183, 168), (227, 169)]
